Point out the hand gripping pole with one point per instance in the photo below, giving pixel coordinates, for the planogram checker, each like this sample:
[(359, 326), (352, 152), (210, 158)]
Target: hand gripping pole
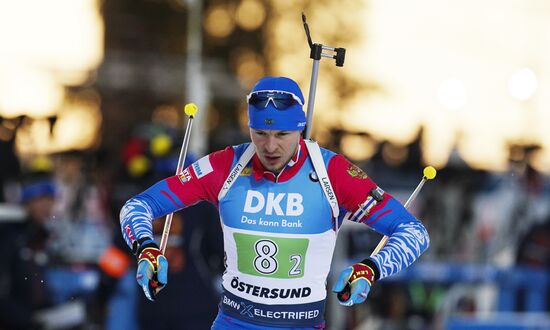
[(429, 173)]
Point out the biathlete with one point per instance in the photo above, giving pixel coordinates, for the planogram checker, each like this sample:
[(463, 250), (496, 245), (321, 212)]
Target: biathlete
[(281, 201)]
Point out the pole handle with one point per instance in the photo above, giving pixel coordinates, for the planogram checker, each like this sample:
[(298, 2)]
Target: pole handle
[(306, 28)]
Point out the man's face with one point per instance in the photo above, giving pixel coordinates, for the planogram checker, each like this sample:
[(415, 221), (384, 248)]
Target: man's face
[(40, 208), (275, 148)]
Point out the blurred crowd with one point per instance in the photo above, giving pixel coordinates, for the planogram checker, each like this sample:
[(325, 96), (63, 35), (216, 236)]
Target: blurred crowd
[(488, 265), (65, 265)]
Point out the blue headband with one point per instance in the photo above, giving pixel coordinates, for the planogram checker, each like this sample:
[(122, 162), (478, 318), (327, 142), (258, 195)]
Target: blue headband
[(270, 118), (37, 189)]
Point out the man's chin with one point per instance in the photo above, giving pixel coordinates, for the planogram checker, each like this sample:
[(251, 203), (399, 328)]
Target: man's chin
[(275, 167)]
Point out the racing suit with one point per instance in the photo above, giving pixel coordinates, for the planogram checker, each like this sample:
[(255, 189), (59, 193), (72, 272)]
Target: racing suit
[(279, 230)]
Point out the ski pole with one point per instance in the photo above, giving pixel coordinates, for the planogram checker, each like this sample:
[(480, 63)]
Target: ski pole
[(429, 173), (190, 110), (316, 54)]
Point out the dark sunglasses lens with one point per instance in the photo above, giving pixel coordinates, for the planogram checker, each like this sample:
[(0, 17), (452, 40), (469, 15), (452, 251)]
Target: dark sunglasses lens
[(280, 101), (259, 101), (283, 101)]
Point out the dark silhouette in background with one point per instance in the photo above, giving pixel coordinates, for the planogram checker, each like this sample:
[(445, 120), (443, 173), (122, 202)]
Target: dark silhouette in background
[(24, 259)]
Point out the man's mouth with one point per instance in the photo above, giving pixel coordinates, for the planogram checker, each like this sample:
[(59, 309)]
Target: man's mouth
[(272, 159)]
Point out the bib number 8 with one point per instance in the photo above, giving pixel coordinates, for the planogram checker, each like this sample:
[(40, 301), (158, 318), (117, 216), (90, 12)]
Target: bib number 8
[(265, 261)]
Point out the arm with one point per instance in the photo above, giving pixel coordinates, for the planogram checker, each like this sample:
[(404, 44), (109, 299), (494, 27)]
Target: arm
[(370, 205), (172, 194), (200, 181), (408, 237)]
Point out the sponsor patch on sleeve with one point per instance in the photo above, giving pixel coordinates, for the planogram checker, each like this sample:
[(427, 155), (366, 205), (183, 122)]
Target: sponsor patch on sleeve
[(202, 167), (185, 176)]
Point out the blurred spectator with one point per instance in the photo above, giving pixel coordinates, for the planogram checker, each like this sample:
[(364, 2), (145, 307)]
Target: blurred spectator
[(509, 204), (80, 232), (534, 247), (80, 225), (534, 252), (24, 261)]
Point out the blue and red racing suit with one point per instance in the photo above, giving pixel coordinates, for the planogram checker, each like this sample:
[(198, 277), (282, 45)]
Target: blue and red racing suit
[(279, 232)]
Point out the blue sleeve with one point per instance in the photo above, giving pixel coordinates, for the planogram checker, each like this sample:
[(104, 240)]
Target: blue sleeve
[(138, 213), (408, 238)]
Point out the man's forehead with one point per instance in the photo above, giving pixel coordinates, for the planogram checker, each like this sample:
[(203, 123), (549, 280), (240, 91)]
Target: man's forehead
[(270, 131)]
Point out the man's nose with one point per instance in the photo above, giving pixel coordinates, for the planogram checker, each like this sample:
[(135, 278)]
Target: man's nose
[(271, 144)]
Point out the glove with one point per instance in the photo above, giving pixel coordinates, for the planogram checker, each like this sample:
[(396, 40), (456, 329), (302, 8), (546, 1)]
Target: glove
[(353, 283), (152, 270)]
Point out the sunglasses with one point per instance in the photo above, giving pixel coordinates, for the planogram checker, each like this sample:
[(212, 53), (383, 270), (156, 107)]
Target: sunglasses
[(281, 100)]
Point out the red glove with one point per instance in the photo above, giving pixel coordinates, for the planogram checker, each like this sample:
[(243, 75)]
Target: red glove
[(353, 284), (152, 272)]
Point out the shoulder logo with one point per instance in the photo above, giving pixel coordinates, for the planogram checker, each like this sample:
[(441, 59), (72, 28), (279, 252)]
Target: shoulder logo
[(202, 167), (356, 172)]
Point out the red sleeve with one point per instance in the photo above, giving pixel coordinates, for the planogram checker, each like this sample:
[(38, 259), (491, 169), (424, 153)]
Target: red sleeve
[(203, 179), (351, 185)]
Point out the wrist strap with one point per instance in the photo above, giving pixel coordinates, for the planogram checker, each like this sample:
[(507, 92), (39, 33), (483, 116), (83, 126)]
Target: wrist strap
[(142, 243), (370, 263)]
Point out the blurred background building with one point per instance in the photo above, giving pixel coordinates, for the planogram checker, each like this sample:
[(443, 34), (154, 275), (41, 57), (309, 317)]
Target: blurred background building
[(91, 97)]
